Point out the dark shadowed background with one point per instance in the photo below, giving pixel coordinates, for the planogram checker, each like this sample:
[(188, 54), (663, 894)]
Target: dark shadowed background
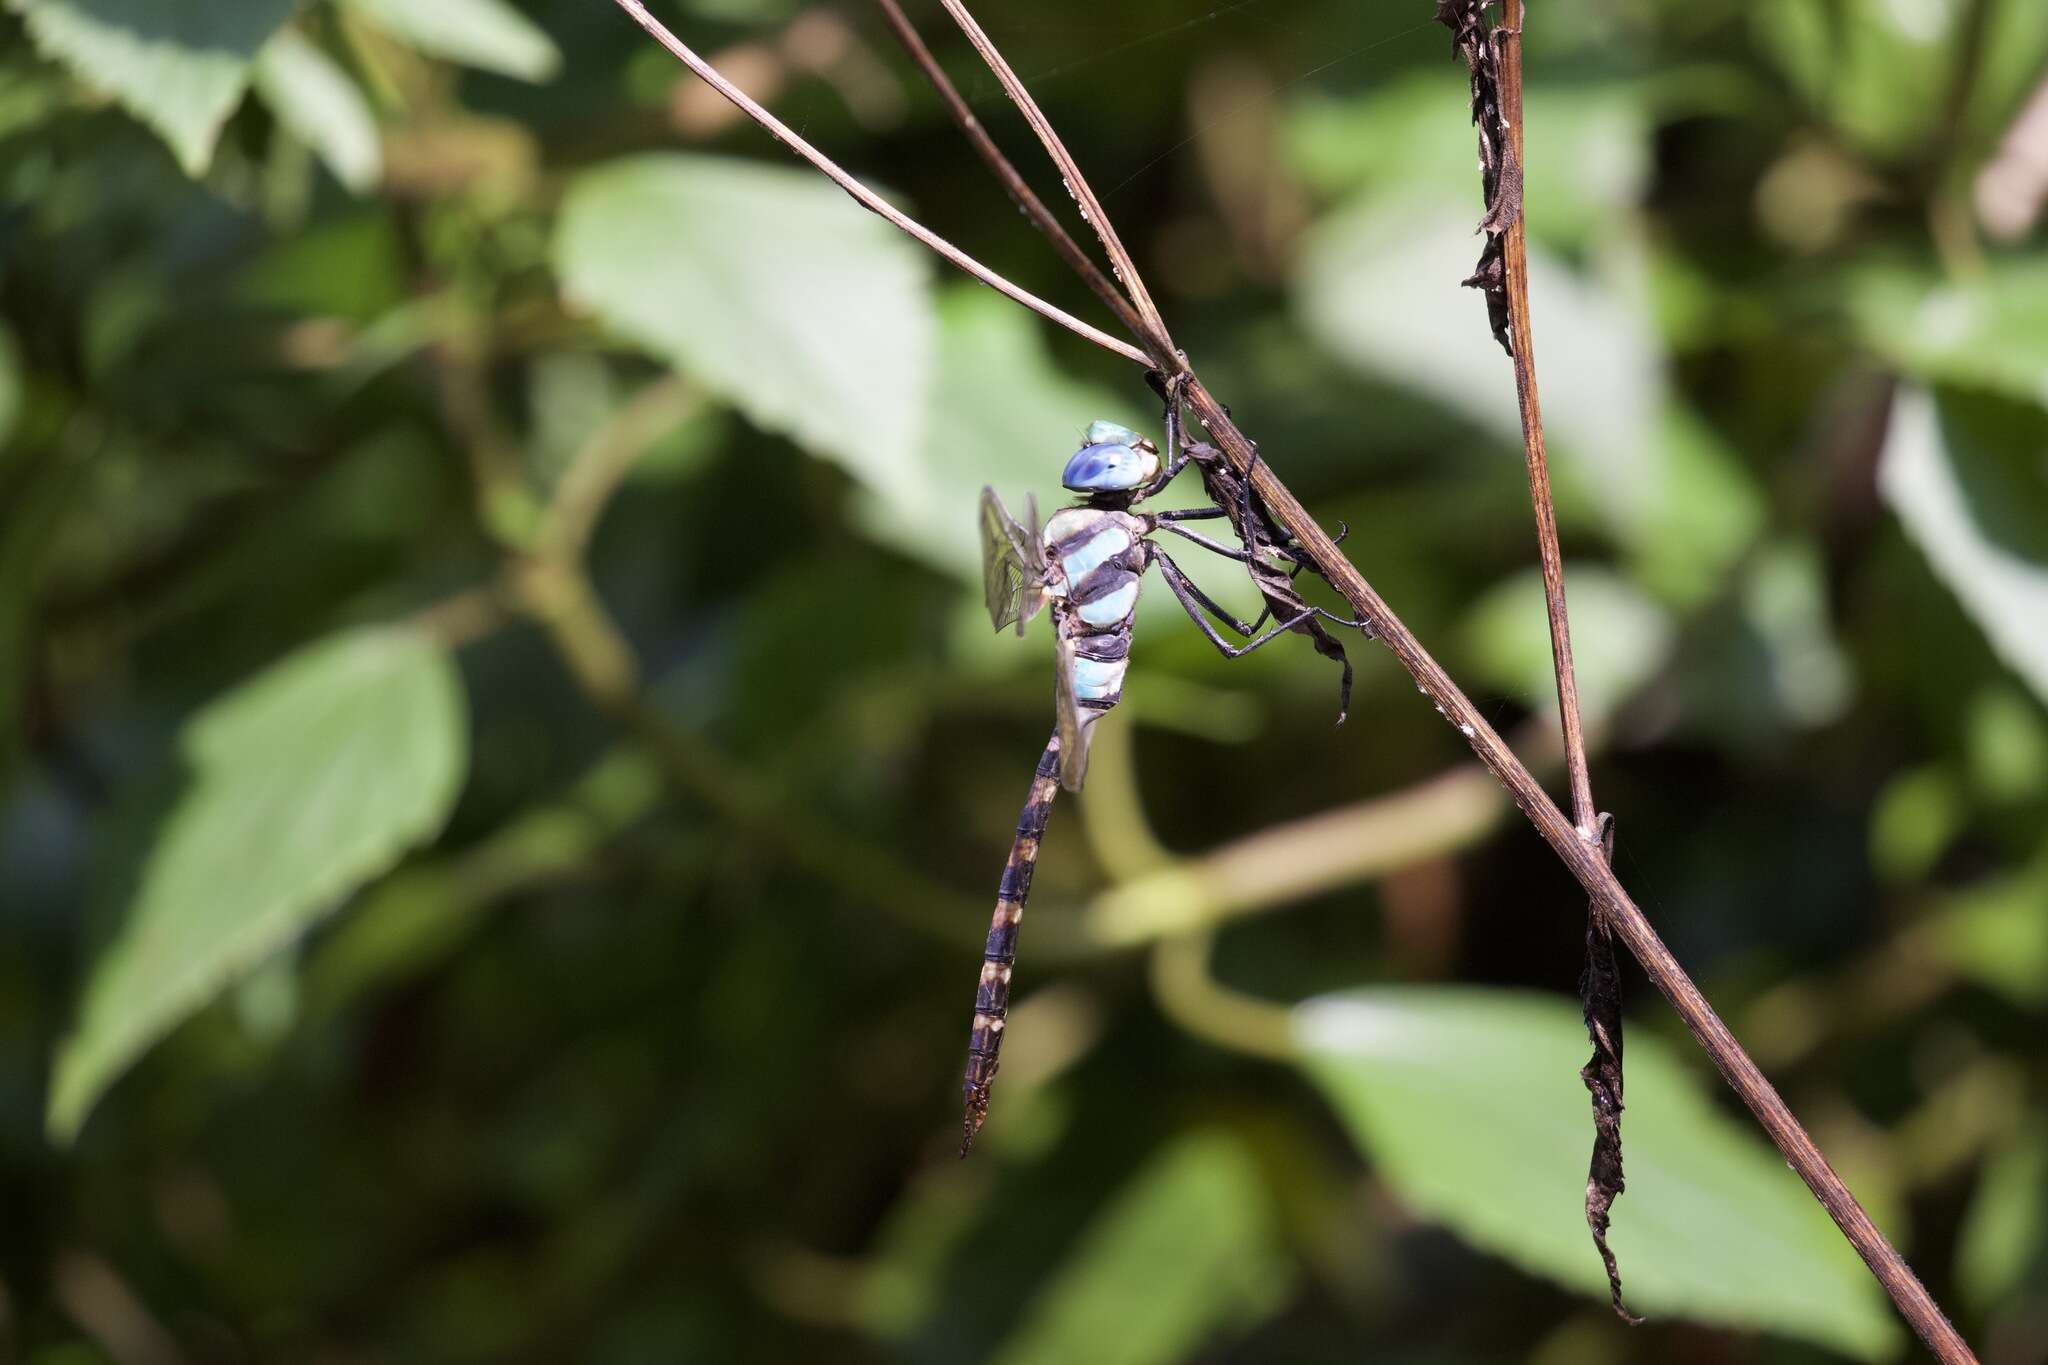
[(505, 767)]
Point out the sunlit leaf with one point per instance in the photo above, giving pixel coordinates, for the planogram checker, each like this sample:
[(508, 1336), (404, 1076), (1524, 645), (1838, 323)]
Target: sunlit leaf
[(1380, 285), (772, 287), (1185, 1255), (1619, 637), (1968, 477), (487, 34), (1469, 1103), (288, 793), (1987, 331), (1591, 161), (1001, 415), (178, 65), (321, 105)]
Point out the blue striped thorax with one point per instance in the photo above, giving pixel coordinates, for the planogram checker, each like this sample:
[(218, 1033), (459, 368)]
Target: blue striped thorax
[(1112, 459)]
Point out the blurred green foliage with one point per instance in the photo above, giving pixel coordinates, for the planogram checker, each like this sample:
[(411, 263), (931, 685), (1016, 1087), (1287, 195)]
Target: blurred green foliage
[(505, 768)]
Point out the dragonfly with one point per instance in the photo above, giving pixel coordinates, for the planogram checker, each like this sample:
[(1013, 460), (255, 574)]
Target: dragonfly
[(1086, 564)]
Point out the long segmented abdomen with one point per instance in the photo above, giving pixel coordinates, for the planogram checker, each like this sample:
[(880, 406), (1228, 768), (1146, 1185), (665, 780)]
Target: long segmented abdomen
[(992, 994)]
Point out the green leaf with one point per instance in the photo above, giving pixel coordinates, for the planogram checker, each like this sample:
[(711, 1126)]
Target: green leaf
[(1968, 478), (1591, 162), (290, 792), (1185, 1255), (1995, 934), (2007, 744), (320, 104), (1989, 331), (489, 35), (1619, 637), (1000, 414), (1914, 819), (1881, 70), (1470, 1105), (178, 65), (1785, 604), (2004, 1237), (1379, 285), (772, 287)]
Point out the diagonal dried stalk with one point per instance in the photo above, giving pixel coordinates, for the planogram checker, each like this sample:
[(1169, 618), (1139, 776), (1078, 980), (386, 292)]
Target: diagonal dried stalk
[(865, 197), (1578, 855), (1153, 333), (1020, 190)]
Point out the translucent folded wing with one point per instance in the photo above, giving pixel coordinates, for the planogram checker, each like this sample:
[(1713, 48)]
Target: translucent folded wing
[(1012, 562), (1076, 724)]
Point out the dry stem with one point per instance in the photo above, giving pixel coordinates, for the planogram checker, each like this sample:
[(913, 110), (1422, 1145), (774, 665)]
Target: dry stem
[(1000, 166), (865, 197), (1153, 333), (1515, 253)]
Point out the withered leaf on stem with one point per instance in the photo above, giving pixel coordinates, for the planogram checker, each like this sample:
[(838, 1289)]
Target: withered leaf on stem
[(1500, 175), (1600, 1000)]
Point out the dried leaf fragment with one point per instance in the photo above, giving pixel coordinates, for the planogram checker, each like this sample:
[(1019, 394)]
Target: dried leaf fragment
[(1500, 175), (1600, 1000)]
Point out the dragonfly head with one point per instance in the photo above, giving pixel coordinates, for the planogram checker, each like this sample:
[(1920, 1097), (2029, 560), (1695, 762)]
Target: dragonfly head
[(1112, 459)]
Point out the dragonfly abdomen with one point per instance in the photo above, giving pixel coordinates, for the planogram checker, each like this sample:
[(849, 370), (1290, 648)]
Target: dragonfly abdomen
[(992, 993)]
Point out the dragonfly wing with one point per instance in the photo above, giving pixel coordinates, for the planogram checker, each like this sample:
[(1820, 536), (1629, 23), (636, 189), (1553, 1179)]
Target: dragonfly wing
[(1076, 726), (1012, 564), (1032, 549)]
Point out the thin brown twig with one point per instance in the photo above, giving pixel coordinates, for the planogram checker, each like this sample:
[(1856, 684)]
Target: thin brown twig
[(867, 198), (1515, 252), (1000, 166), (1153, 333), (1583, 859), (1599, 981)]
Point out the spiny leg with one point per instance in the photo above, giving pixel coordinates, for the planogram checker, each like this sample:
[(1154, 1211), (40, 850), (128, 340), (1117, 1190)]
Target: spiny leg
[(1193, 599), (992, 994), (1194, 602), (1214, 547), (1300, 563), (1232, 493), (1244, 557)]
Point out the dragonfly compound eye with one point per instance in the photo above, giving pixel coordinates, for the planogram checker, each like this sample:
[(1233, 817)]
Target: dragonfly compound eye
[(1109, 467), (1101, 433)]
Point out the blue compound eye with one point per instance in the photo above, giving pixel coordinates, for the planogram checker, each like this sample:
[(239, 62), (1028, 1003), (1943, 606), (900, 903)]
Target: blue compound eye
[(1107, 468)]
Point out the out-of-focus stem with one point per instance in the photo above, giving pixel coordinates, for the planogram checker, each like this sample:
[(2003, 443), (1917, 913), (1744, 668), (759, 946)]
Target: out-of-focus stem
[(1200, 1005)]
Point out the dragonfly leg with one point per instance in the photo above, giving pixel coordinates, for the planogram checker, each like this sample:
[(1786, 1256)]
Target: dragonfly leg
[(1190, 514), (1244, 557), (1293, 551), (1212, 546), (1177, 455), (1194, 602)]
